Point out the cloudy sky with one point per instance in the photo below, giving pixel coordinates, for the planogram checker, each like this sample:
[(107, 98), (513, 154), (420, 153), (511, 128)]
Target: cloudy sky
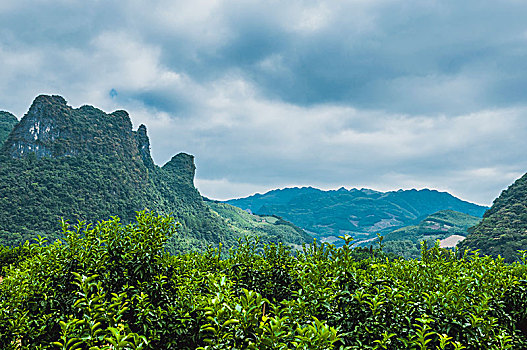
[(380, 94)]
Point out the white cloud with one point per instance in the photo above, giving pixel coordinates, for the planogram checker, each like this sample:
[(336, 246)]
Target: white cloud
[(246, 142), (222, 189)]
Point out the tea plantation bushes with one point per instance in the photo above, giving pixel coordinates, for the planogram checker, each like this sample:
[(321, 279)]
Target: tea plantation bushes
[(113, 286)]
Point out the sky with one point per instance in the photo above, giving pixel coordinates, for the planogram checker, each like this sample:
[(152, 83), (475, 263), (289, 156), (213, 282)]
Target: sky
[(378, 94)]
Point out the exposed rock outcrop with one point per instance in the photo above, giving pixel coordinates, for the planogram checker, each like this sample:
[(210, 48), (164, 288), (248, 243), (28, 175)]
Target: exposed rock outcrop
[(51, 128), (143, 145)]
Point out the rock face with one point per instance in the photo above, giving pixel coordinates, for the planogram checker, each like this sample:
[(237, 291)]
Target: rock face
[(51, 128), (37, 131), (143, 144)]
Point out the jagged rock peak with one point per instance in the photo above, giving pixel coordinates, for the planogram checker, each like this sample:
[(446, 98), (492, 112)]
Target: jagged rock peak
[(36, 131), (123, 117), (143, 144), (182, 165), (47, 105), (141, 130), (49, 99), (51, 128), (120, 113)]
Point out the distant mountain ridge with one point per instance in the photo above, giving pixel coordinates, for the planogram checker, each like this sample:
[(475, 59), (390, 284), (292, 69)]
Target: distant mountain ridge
[(85, 164), (359, 212)]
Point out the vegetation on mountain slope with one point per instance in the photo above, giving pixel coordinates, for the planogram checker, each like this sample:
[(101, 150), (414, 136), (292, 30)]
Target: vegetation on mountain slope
[(7, 123), (269, 229), (360, 213), (112, 286), (445, 223), (83, 164), (503, 230)]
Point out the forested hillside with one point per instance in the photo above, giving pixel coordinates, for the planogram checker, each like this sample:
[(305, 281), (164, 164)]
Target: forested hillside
[(7, 123), (84, 164), (503, 230), (265, 227), (438, 226), (360, 213)]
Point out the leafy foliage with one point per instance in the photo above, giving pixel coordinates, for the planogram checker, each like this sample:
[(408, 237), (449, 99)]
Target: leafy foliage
[(113, 286)]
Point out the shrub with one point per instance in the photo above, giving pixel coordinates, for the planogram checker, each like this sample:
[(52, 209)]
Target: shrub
[(113, 286)]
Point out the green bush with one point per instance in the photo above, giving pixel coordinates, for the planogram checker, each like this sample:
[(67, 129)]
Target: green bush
[(113, 286)]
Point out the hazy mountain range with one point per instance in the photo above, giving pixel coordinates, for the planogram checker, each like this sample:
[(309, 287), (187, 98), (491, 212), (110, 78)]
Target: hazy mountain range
[(358, 212)]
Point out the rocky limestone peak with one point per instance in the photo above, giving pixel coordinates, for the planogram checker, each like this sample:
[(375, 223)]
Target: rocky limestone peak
[(122, 117), (143, 144), (49, 100), (182, 165), (51, 128), (37, 130), (141, 130)]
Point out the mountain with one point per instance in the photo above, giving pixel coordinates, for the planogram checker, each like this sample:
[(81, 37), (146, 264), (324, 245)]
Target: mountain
[(7, 123), (446, 225), (436, 226), (503, 230), (360, 213), (268, 228), (84, 164)]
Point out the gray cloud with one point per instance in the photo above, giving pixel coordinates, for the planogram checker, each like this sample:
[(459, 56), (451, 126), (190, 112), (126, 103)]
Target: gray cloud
[(377, 93)]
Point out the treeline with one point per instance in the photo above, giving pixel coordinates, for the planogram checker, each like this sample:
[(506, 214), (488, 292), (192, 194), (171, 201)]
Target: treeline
[(113, 286)]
